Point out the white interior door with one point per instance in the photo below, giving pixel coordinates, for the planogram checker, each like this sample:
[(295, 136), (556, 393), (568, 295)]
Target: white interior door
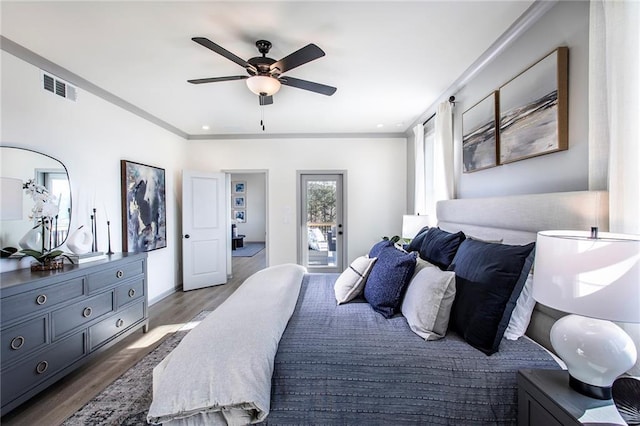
[(205, 229)]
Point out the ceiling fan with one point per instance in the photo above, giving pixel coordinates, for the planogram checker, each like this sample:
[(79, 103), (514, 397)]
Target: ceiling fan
[(265, 74)]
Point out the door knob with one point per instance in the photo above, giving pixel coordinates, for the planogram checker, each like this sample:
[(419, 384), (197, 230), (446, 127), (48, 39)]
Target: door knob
[(187, 236)]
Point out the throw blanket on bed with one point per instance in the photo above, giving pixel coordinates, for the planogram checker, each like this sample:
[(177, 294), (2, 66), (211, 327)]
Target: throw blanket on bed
[(220, 373), (347, 364)]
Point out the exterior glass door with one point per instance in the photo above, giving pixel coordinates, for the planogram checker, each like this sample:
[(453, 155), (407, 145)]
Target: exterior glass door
[(322, 231)]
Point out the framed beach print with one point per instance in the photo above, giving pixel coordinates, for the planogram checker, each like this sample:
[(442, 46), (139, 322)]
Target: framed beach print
[(479, 135), (534, 109), (144, 207), (239, 187)]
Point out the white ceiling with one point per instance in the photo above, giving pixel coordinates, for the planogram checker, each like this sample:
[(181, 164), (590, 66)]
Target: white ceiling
[(389, 60)]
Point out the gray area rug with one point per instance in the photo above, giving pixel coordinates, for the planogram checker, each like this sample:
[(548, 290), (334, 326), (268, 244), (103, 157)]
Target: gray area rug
[(126, 401), (249, 250)]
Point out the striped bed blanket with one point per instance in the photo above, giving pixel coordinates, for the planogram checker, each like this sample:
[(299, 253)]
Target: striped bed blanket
[(348, 365)]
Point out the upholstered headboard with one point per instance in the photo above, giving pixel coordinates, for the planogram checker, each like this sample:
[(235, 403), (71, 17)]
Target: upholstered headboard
[(516, 219)]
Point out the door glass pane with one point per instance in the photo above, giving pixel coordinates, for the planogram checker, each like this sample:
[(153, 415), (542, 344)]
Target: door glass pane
[(321, 221)]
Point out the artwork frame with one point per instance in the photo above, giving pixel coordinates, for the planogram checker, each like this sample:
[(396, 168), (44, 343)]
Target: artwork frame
[(534, 112), (480, 136), (239, 187), (240, 216), (144, 207), (239, 202)]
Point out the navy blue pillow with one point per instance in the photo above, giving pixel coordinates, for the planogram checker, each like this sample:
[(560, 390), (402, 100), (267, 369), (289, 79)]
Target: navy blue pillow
[(439, 247), (388, 280), (377, 247), (489, 279), (416, 242)]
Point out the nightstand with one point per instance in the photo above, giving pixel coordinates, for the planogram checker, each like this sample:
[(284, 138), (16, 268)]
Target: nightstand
[(545, 399)]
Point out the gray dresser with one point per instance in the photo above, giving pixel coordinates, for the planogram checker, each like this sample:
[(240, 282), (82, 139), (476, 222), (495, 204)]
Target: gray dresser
[(53, 322)]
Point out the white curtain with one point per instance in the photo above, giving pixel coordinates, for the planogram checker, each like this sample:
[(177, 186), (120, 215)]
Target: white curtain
[(614, 112), (614, 116), (419, 178), (443, 173)]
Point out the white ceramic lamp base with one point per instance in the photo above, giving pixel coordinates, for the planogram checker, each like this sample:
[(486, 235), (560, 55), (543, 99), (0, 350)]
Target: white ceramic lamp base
[(596, 353)]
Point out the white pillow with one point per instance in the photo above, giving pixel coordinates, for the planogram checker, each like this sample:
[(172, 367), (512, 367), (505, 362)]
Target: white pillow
[(521, 315), (351, 282), (427, 302)]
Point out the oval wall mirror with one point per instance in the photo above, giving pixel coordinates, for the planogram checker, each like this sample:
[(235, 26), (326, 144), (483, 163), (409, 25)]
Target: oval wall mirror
[(17, 167)]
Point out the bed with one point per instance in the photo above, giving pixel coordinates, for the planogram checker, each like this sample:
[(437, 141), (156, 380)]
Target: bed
[(359, 362)]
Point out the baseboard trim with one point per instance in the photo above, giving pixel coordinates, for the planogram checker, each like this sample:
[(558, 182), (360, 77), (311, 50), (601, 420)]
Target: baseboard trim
[(164, 295)]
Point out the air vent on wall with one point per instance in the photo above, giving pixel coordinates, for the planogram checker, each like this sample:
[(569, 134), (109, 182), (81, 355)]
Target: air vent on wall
[(59, 87)]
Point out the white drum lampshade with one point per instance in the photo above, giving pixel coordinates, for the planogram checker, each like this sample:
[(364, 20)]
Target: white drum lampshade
[(411, 224), (596, 280)]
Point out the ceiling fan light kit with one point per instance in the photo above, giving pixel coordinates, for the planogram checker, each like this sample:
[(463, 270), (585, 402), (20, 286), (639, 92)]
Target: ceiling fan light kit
[(263, 85), (265, 74)]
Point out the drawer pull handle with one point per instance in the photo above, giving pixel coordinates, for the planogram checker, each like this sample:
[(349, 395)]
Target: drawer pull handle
[(17, 342), (87, 312), (41, 299), (42, 367), (132, 292), (119, 273), (119, 323)]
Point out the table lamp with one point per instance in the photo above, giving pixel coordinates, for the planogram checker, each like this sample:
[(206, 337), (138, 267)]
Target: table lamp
[(412, 223), (596, 279)]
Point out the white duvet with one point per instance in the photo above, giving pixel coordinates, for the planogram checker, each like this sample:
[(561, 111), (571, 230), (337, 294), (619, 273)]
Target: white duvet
[(220, 373)]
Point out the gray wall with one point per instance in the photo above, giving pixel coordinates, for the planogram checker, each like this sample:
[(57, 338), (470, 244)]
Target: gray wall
[(567, 24)]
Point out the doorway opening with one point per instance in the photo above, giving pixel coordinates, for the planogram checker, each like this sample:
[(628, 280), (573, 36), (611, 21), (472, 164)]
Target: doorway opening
[(248, 212)]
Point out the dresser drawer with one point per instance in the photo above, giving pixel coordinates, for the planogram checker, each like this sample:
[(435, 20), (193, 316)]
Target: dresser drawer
[(24, 338), (38, 368), (114, 276), (105, 329), (38, 300), (65, 320), (129, 292)]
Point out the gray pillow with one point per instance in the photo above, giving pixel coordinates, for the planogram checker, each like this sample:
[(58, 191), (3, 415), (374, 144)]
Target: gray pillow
[(427, 302), (350, 283)]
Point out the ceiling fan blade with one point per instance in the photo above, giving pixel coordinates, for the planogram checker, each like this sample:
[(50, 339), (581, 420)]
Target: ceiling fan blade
[(216, 79), (266, 100), (308, 85), (297, 58), (224, 52)]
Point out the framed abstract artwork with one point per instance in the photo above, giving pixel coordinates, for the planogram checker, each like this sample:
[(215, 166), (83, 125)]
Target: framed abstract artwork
[(144, 207), (239, 202), (239, 187), (479, 135), (240, 216), (534, 111)]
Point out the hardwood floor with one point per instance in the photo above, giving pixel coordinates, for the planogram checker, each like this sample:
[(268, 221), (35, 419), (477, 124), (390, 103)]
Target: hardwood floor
[(61, 400)]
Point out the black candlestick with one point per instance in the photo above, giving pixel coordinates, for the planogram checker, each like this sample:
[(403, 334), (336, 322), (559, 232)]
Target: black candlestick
[(109, 237), (95, 234)]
